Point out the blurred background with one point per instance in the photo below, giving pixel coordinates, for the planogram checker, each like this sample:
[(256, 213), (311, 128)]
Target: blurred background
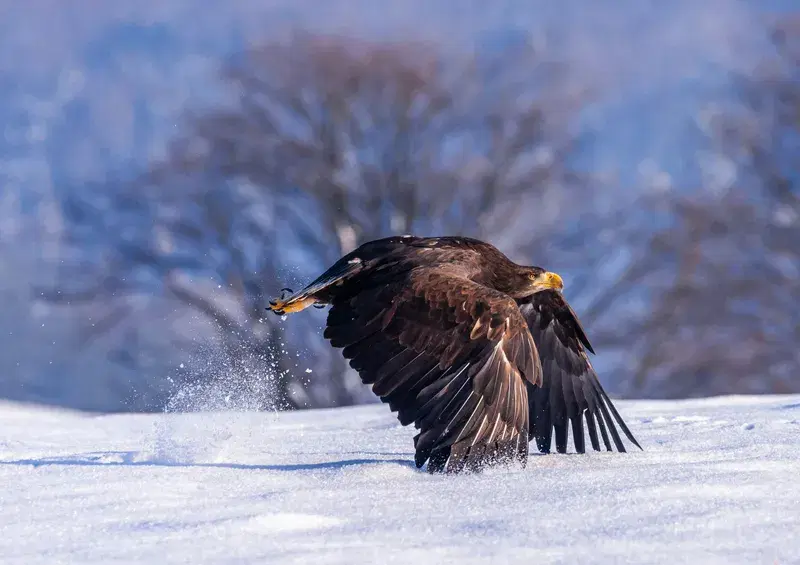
[(167, 166)]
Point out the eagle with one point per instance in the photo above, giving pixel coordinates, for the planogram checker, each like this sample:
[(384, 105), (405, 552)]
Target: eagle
[(481, 354)]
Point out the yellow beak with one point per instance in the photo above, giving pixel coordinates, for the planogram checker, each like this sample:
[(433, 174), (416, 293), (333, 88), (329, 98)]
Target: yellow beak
[(551, 280)]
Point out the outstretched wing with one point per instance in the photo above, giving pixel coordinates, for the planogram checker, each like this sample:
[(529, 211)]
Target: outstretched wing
[(447, 354), (571, 391)]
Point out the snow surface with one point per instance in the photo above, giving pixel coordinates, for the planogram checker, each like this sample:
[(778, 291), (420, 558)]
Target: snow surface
[(718, 482)]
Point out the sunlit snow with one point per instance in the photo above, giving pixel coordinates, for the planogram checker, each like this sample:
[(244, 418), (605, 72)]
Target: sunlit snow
[(718, 482)]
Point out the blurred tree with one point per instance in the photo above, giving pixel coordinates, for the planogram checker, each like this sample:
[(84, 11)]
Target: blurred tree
[(327, 142), (720, 271)]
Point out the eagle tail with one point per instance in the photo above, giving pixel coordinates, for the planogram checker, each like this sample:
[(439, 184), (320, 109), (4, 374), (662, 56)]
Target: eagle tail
[(315, 293)]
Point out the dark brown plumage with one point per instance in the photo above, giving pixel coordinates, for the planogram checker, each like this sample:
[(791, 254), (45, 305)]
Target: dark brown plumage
[(481, 354)]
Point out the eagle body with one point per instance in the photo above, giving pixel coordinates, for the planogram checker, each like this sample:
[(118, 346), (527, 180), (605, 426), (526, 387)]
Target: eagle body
[(481, 354)]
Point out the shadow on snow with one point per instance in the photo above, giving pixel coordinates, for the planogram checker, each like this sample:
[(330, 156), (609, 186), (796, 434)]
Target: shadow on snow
[(128, 459)]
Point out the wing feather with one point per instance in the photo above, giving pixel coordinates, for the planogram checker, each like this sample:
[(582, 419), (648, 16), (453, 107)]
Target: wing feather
[(571, 393), (448, 354)]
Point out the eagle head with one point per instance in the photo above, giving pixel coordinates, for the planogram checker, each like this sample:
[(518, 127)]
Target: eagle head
[(530, 280)]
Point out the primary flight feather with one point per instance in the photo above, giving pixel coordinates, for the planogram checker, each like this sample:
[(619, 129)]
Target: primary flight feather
[(482, 355)]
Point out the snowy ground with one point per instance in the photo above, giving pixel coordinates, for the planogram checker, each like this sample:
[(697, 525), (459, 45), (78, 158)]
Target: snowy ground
[(719, 482)]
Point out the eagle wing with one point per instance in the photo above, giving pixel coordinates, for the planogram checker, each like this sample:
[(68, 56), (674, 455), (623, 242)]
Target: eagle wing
[(571, 391), (446, 353)]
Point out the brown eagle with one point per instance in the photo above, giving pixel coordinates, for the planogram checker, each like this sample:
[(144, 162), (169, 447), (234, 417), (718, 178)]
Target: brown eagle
[(481, 354)]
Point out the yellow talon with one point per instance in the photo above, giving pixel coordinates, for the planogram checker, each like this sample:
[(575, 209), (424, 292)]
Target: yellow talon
[(280, 307)]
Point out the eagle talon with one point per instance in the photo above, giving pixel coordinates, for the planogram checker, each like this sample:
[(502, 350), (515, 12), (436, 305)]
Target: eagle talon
[(278, 305), (275, 307), (281, 306)]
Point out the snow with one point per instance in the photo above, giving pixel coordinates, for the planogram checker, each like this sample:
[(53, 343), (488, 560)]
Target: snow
[(717, 483)]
